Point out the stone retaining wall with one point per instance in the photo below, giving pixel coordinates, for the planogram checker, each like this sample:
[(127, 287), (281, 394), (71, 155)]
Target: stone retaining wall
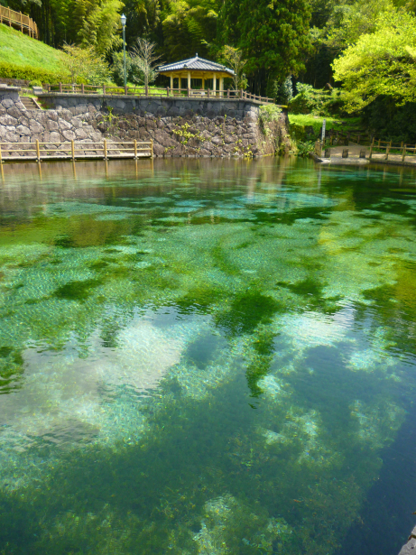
[(178, 126)]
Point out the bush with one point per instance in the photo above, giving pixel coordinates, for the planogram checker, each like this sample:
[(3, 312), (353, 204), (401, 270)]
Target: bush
[(270, 113), (29, 73)]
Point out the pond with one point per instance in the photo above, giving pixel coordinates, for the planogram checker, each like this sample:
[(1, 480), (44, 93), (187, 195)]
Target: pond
[(207, 357)]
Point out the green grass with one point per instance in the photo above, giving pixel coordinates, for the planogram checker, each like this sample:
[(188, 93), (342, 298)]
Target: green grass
[(19, 49), (337, 124)]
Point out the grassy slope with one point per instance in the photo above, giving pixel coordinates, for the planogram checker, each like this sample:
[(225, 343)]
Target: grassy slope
[(17, 48)]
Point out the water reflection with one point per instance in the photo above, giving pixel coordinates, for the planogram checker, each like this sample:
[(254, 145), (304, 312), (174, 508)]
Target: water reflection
[(146, 310)]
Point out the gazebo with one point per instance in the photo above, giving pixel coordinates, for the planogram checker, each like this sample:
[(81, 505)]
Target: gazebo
[(197, 68)]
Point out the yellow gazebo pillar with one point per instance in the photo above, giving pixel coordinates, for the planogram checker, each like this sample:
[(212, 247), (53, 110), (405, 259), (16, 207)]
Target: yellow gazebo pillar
[(189, 79), (171, 82), (203, 83), (221, 85), (214, 85)]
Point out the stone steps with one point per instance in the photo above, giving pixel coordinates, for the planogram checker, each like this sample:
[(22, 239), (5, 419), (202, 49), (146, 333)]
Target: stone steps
[(29, 103)]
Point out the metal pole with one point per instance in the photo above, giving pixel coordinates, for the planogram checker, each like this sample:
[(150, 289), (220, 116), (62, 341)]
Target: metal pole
[(124, 55)]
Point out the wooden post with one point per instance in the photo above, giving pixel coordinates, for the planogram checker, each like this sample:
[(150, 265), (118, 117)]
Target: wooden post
[(105, 149), (104, 91), (82, 88), (135, 149), (388, 147), (228, 93), (146, 89), (37, 150), (73, 150), (21, 22), (345, 152), (208, 93), (241, 93), (404, 152), (60, 86), (167, 91), (151, 148), (189, 92), (125, 90), (379, 143), (371, 149), (10, 19)]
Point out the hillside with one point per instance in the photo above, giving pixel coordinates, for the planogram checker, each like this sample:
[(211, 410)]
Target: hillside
[(20, 51)]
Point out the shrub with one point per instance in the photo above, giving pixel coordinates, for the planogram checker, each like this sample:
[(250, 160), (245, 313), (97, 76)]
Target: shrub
[(29, 73), (270, 113)]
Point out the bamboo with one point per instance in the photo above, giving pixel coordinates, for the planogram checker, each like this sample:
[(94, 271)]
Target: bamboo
[(73, 149), (37, 150), (404, 152), (105, 149), (135, 148), (151, 148)]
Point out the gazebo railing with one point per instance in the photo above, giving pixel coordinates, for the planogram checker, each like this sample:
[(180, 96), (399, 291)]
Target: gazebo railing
[(74, 88)]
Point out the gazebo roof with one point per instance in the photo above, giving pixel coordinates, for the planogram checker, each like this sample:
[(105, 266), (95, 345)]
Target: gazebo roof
[(196, 64)]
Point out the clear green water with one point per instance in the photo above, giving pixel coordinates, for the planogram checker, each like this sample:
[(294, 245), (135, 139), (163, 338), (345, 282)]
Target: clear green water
[(200, 357)]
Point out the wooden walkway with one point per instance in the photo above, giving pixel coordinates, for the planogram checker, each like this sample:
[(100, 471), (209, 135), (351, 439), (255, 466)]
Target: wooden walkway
[(18, 21), (74, 150)]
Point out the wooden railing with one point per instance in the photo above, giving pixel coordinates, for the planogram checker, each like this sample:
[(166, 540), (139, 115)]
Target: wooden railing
[(377, 146), (73, 150), (157, 92), (19, 21), (401, 149)]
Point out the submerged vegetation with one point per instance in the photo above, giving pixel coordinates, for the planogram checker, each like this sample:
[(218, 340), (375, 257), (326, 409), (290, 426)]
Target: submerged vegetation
[(170, 381)]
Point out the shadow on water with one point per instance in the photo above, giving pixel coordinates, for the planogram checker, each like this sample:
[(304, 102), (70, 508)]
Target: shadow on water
[(386, 518)]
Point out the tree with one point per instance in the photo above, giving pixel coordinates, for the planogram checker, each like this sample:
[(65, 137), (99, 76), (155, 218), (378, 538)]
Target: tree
[(233, 58), (189, 27), (84, 64), (349, 21), (143, 20), (143, 60), (382, 63), (271, 34), (98, 22)]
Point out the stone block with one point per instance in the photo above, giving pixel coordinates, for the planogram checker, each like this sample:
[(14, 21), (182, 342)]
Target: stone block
[(7, 103), (55, 137), (7, 119), (52, 125), (36, 127), (80, 133), (23, 130), (76, 122), (64, 125)]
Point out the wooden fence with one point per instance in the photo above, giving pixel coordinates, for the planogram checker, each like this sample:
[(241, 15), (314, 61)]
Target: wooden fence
[(402, 149), (361, 139), (19, 21), (73, 88), (73, 150)]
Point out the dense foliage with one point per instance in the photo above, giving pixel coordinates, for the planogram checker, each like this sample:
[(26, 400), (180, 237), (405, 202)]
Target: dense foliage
[(355, 56)]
